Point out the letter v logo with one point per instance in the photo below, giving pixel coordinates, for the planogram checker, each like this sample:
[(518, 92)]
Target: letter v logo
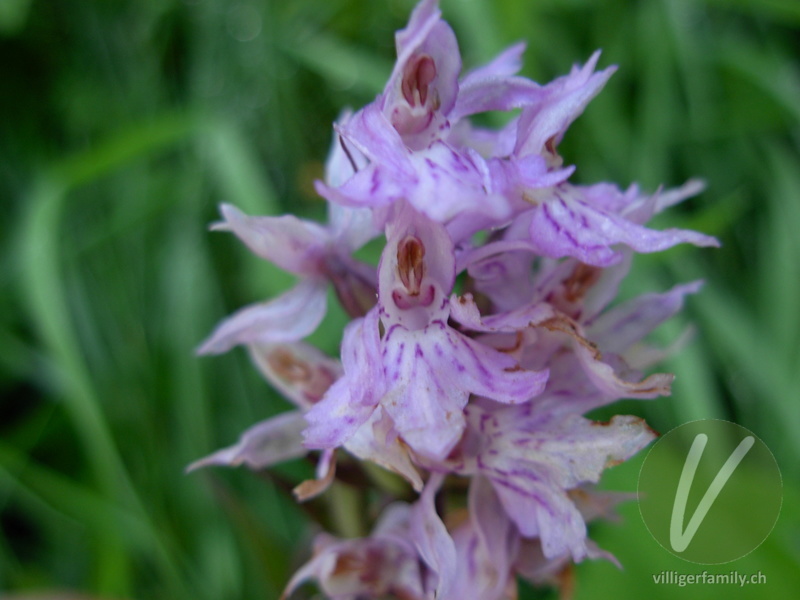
[(680, 539)]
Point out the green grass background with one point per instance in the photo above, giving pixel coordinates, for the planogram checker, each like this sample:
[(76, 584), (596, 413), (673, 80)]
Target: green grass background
[(124, 125)]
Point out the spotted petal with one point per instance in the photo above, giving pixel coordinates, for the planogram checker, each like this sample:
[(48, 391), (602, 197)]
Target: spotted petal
[(567, 225), (533, 458), (431, 374)]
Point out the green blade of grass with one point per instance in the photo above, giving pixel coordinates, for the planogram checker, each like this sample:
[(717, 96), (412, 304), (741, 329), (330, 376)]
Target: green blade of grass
[(44, 296)]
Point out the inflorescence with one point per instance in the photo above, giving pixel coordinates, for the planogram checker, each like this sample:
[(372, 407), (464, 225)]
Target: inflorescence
[(479, 341)]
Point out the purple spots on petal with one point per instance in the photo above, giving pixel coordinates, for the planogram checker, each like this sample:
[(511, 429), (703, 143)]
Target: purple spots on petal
[(484, 418)]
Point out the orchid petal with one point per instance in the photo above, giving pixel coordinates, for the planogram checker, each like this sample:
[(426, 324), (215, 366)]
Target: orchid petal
[(464, 310), (294, 245), (485, 95), (351, 227), (620, 328), (373, 567), (287, 318), (298, 370), (644, 208), (535, 464), (602, 374), (432, 373), (460, 182), (262, 445), (488, 567), (568, 226), (326, 471), (505, 64), (376, 441), (349, 402), (434, 544), (424, 17), (567, 97), (423, 86), (425, 407), (373, 135)]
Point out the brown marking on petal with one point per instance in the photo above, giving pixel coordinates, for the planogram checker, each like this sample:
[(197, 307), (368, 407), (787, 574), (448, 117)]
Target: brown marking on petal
[(312, 380), (566, 325), (657, 383), (347, 563), (517, 344), (582, 278), (529, 198), (651, 430), (651, 385), (514, 369), (410, 264), (611, 462), (579, 496), (418, 74), (314, 487), (288, 367), (321, 380), (550, 145)]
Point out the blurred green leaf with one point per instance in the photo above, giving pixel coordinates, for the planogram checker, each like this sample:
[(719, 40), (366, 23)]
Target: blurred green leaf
[(343, 66), (13, 14)]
